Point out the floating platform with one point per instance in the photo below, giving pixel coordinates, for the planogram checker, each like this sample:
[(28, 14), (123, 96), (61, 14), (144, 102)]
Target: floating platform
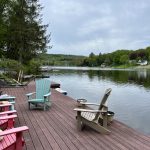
[(61, 91), (55, 85), (56, 129)]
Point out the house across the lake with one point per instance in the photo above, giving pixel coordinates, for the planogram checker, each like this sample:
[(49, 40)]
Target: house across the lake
[(142, 62)]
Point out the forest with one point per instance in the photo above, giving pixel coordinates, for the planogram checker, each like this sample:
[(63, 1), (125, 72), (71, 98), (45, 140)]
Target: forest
[(126, 58), (60, 60), (118, 58)]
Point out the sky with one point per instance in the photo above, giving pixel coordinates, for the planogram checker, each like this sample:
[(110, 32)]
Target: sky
[(80, 27)]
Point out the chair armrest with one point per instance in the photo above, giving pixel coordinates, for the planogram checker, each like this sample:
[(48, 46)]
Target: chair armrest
[(10, 97), (8, 112), (46, 95), (83, 103), (29, 94), (14, 130), (8, 117), (5, 105), (7, 97), (89, 110)]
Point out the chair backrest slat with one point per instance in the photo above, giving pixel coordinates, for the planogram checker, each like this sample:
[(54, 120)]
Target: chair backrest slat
[(42, 87), (103, 101)]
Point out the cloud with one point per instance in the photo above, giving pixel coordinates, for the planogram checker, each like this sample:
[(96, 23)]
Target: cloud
[(79, 27), (96, 25), (92, 45)]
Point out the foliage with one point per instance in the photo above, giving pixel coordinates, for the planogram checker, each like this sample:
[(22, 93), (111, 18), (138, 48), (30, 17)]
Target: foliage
[(117, 58), (10, 68), (124, 59), (33, 67), (60, 60), (22, 35), (8, 64)]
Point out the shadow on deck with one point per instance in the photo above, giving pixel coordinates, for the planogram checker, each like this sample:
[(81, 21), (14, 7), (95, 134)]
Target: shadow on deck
[(56, 129)]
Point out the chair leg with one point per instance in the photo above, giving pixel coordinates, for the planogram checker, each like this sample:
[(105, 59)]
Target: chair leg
[(47, 107), (105, 121), (44, 107), (79, 125), (29, 106), (78, 117)]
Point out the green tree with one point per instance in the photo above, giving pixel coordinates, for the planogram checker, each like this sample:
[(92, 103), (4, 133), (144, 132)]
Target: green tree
[(148, 53), (124, 59), (100, 59), (92, 60), (26, 36), (5, 6)]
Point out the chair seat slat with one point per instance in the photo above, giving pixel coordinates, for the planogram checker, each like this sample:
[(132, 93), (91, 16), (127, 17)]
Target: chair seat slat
[(89, 116), (8, 141)]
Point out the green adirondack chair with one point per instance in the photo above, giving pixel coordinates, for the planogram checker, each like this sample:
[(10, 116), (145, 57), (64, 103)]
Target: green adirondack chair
[(96, 119), (41, 96)]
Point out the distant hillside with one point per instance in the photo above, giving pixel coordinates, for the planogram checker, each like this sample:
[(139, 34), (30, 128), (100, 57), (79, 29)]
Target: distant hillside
[(119, 58), (61, 60)]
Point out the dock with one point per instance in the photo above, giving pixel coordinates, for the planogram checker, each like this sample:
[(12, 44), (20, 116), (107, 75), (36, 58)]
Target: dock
[(56, 129)]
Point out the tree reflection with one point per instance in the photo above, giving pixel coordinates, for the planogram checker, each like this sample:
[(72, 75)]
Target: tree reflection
[(140, 77)]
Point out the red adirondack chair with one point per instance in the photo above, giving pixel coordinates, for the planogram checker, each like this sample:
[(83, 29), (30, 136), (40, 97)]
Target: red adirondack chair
[(12, 138), (7, 119), (5, 107), (6, 116)]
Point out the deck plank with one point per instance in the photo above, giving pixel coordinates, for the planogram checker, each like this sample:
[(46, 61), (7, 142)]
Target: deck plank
[(56, 128)]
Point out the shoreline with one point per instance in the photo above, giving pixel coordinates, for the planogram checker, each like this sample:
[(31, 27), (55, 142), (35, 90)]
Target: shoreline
[(143, 67), (95, 68)]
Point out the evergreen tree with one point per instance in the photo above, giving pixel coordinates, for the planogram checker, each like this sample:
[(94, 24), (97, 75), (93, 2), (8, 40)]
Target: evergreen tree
[(26, 36), (4, 7)]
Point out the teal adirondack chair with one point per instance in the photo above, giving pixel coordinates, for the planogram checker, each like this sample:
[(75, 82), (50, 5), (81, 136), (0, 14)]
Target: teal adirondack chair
[(42, 94)]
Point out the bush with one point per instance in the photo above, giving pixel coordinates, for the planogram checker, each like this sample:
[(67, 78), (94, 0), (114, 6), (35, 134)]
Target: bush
[(33, 67), (11, 67)]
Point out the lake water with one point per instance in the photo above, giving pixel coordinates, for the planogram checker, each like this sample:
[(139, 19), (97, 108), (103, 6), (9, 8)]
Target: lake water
[(130, 97)]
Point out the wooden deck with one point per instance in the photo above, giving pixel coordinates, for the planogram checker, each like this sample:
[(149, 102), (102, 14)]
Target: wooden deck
[(56, 129)]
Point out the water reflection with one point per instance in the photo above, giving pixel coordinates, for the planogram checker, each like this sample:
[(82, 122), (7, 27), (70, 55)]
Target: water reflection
[(130, 92), (138, 77)]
